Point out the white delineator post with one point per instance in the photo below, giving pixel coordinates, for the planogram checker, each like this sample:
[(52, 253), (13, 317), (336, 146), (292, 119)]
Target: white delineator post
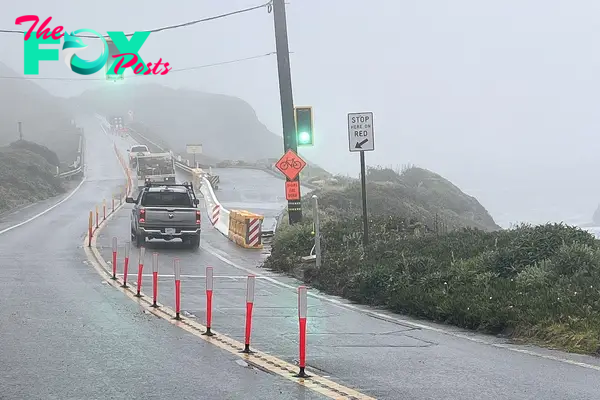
[(177, 270), (114, 258), (302, 311), (126, 264), (209, 292), (141, 257), (249, 305), (154, 279)]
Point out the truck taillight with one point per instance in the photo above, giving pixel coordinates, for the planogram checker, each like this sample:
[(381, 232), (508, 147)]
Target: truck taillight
[(198, 220), (142, 216)]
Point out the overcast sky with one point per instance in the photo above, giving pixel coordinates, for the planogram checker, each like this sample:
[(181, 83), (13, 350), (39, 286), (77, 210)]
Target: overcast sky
[(499, 97)]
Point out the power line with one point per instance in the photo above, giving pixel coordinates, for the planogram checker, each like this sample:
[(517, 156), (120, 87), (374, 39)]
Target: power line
[(165, 28), (237, 60)]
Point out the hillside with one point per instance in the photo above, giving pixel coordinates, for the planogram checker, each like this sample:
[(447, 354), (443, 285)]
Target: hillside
[(44, 118), (415, 194), (26, 175), (226, 126)]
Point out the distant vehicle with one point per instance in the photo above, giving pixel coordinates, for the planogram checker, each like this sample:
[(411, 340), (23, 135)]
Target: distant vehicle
[(135, 151), (116, 123), (155, 167), (166, 212)]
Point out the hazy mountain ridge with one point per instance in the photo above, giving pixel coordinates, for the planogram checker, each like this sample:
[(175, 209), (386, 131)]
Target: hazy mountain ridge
[(45, 118), (226, 126)]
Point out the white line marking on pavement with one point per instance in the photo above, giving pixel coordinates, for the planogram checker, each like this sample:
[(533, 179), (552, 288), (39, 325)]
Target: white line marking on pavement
[(10, 228), (402, 321), (195, 276)]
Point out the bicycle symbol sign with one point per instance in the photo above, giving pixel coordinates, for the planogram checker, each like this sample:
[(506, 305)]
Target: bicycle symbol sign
[(290, 164)]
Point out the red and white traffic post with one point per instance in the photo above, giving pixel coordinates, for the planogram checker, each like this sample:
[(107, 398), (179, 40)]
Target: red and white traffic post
[(209, 292), (249, 305), (126, 264), (140, 269), (114, 257), (104, 210), (177, 269), (302, 311), (154, 279)]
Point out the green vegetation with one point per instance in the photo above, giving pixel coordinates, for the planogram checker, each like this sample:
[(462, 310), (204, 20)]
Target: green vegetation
[(540, 284), (45, 119), (415, 194), (25, 175)]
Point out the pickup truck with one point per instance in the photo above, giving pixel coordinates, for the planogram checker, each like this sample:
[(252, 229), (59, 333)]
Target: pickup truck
[(165, 212), (136, 150)]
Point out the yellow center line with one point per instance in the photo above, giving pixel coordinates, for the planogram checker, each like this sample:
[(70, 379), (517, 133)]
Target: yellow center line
[(259, 359)]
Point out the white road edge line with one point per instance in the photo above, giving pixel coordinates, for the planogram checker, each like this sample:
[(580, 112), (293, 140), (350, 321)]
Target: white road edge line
[(389, 318), (194, 276), (10, 228)]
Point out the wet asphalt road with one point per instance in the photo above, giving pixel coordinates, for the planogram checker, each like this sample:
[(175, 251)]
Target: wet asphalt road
[(253, 190), (387, 360), (67, 335)]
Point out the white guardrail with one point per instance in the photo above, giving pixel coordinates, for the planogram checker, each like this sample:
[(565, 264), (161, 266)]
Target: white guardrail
[(78, 164), (217, 214), (246, 229)]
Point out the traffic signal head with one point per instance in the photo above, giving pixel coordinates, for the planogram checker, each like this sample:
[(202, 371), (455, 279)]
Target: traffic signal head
[(304, 126)]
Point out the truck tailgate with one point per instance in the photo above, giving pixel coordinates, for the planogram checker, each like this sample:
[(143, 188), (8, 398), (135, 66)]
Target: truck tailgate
[(170, 217)]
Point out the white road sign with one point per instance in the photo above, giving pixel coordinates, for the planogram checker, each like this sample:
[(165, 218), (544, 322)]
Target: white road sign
[(360, 132), (194, 148)]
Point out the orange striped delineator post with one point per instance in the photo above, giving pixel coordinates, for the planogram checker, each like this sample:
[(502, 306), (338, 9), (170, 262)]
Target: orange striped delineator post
[(249, 305), (126, 264), (209, 292), (154, 279), (114, 257), (91, 229), (104, 210), (97, 217), (141, 256), (302, 310), (113, 203), (177, 270)]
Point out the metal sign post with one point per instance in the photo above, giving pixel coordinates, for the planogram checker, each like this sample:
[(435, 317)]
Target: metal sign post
[(361, 138)]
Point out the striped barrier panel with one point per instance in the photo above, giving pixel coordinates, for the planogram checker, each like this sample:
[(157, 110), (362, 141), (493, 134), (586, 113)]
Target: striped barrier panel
[(254, 232), (245, 229), (216, 211), (214, 181)]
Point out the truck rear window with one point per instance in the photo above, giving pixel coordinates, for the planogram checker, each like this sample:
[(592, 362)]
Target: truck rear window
[(139, 149), (166, 199)]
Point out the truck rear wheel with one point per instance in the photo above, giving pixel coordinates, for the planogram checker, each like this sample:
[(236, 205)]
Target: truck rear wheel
[(194, 242), (140, 240)]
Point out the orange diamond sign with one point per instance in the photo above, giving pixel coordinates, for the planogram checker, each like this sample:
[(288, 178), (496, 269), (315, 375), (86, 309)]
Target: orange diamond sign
[(290, 164)]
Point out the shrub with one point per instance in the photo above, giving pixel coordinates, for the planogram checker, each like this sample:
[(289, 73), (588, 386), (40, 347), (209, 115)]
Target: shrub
[(537, 282)]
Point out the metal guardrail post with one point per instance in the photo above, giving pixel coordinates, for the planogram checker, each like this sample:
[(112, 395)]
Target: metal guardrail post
[(315, 200)]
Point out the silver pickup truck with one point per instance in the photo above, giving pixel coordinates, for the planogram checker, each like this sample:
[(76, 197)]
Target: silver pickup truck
[(165, 212)]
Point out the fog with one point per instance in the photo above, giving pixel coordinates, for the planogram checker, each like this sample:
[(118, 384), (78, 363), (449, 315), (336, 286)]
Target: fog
[(499, 98)]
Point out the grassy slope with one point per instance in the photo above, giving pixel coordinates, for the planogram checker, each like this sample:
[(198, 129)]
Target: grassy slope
[(44, 118), (27, 169), (25, 177), (415, 194)]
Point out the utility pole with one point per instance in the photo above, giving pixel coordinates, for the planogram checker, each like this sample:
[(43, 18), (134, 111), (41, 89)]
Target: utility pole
[(20, 130), (285, 94)]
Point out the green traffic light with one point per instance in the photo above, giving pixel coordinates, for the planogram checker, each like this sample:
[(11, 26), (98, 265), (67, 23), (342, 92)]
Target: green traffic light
[(304, 137), (304, 126)]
